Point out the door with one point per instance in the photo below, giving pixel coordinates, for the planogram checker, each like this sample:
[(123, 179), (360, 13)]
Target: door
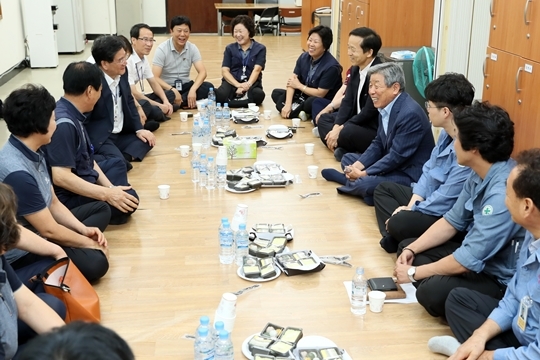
[(347, 20), (202, 13), (508, 26), (528, 107), (501, 79)]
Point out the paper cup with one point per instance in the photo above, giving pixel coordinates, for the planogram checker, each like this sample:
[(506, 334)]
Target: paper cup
[(183, 116), (164, 191), (309, 148), (239, 217), (184, 150), (197, 147), (199, 104), (312, 171), (251, 105), (228, 322), (376, 301), (227, 305), (267, 114), (295, 122)]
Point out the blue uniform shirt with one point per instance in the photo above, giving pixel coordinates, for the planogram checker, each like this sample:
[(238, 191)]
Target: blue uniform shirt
[(492, 242), (442, 179), (525, 282)]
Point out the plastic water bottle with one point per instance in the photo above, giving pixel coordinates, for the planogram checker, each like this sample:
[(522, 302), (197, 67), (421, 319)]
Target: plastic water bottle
[(224, 347), (221, 166), (206, 133), (211, 97), (226, 245), (218, 114), (226, 114), (204, 347), (241, 240), (195, 166), (211, 105), (359, 292), (202, 170), (196, 134), (204, 321), (211, 174), (218, 326)]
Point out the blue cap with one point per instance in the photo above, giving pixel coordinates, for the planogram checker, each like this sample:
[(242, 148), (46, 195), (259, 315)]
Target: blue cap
[(203, 331), (223, 335), (219, 325), (205, 320), (242, 226), (182, 171)]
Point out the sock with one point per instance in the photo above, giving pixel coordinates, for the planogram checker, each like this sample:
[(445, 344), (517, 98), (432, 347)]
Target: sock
[(446, 345), (334, 175)]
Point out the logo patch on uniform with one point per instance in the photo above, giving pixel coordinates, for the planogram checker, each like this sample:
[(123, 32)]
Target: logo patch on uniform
[(487, 210)]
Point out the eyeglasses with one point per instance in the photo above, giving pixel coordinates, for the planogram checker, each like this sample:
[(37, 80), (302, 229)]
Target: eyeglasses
[(147, 40), (432, 107), (122, 60)]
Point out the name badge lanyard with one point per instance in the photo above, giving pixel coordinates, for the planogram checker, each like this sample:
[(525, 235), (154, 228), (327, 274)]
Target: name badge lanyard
[(140, 76), (115, 96), (178, 83), (245, 61)]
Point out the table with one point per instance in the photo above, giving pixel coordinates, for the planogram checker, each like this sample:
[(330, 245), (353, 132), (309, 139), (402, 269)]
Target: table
[(220, 7)]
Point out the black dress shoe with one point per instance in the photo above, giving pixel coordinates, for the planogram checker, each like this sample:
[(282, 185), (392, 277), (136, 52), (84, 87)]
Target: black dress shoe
[(151, 125), (389, 244), (176, 107)]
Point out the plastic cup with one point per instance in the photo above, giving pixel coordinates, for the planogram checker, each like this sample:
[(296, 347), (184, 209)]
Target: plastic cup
[(312, 171), (184, 150), (296, 122), (376, 301), (200, 103), (183, 116), (267, 114), (164, 191), (251, 105), (309, 148)]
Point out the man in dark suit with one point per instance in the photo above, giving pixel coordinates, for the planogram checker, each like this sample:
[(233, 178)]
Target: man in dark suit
[(403, 143), (114, 126), (354, 125)]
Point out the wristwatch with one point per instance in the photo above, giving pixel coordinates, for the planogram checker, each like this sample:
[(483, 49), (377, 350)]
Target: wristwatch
[(411, 272)]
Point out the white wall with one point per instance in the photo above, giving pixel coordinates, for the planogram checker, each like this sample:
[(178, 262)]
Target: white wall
[(155, 13), (12, 34)]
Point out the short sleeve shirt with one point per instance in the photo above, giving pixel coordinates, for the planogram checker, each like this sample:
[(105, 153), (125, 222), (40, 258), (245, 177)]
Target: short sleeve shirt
[(9, 284), (138, 69), (175, 65)]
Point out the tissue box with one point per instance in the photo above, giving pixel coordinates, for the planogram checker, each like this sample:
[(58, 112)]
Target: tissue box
[(240, 148)]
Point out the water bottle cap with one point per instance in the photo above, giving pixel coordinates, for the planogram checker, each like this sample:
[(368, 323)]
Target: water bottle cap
[(226, 104), (203, 156), (242, 226), (360, 270), (223, 220), (226, 225), (219, 325), (211, 89), (205, 320), (218, 104), (210, 158), (223, 335), (203, 331)]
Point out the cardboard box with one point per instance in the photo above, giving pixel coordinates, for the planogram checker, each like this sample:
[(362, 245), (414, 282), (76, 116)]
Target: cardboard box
[(240, 148)]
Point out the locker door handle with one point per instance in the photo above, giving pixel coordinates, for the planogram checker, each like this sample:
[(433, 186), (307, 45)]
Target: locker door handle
[(525, 11), (484, 66), (491, 8), (356, 11), (518, 90)]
